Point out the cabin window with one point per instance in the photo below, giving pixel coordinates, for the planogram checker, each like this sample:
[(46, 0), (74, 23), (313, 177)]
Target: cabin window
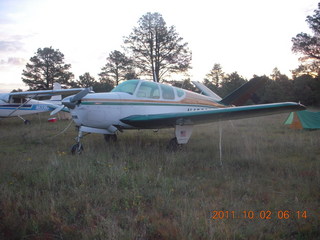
[(126, 87), (18, 100), (167, 92), (148, 90), (180, 92)]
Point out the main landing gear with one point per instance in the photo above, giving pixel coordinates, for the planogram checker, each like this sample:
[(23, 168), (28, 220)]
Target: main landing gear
[(25, 121), (173, 145), (110, 138), (182, 135)]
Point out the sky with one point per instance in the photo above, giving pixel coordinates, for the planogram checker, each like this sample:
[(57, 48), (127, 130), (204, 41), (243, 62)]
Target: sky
[(248, 36)]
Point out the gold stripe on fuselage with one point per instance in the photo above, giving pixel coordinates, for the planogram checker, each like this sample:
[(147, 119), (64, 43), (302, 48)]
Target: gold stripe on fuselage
[(190, 98)]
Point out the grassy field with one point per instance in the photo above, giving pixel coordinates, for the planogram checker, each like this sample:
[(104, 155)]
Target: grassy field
[(265, 186)]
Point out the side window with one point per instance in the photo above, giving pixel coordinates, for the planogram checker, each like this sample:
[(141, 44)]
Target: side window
[(148, 90), (167, 92), (19, 100), (180, 92)]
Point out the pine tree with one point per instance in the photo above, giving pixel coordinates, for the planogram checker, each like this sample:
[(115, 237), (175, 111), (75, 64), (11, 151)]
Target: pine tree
[(157, 50), (45, 68)]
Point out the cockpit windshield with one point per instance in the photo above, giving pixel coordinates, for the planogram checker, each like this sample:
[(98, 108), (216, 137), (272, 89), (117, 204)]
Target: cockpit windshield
[(126, 87)]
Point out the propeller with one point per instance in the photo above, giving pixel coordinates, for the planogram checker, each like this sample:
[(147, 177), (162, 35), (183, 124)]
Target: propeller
[(81, 94), (57, 110), (71, 102)]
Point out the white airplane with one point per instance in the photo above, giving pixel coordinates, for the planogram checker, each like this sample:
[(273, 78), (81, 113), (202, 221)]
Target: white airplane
[(17, 104), (139, 104)]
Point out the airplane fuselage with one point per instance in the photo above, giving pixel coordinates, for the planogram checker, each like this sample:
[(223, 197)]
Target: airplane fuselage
[(149, 105), (20, 109), (101, 110)]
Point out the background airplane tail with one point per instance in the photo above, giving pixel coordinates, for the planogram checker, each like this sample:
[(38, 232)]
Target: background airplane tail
[(243, 93), (56, 86)]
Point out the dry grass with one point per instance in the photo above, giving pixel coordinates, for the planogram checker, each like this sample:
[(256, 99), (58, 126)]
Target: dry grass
[(136, 189)]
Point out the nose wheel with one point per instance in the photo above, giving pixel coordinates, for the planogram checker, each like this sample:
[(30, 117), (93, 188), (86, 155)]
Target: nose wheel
[(77, 148)]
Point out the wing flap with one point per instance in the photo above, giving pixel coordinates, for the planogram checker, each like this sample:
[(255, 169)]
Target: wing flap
[(172, 119)]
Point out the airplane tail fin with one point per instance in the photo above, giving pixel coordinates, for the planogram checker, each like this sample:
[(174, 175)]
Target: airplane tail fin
[(56, 86), (243, 93)]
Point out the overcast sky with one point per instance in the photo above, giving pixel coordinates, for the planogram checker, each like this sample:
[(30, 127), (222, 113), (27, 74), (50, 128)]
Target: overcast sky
[(247, 36)]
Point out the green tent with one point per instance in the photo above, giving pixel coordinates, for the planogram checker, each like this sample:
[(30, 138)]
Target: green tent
[(304, 120)]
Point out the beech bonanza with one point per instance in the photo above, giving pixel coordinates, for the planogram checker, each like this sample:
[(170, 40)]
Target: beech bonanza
[(140, 104)]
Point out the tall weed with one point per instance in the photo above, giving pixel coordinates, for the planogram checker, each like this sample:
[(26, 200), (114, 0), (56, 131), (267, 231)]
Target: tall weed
[(137, 189)]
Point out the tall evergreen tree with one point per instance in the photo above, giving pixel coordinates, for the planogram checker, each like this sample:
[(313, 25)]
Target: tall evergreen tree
[(214, 78), (118, 67), (278, 88), (309, 45), (86, 80), (45, 68), (216, 75), (230, 83), (306, 90), (157, 50), (311, 69)]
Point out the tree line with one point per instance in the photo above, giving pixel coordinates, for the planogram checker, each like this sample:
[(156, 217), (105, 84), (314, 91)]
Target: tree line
[(303, 88), (156, 52)]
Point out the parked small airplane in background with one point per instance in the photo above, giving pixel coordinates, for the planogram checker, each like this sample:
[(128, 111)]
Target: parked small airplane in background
[(17, 104), (139, 104)]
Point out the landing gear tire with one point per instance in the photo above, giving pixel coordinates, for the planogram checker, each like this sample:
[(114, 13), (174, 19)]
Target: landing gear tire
[(26, 122), (77, 148), (173, 145), (110, 138)]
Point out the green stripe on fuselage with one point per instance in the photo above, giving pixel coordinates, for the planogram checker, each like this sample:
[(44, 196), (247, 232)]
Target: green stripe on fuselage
[(147, 104)]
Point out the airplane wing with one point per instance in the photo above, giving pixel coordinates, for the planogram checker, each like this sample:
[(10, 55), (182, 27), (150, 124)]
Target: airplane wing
[(42, 93), (198, 117)]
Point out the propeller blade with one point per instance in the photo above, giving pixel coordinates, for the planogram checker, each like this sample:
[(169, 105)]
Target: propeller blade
[(80, 95), (57, 110), (72, 102)]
